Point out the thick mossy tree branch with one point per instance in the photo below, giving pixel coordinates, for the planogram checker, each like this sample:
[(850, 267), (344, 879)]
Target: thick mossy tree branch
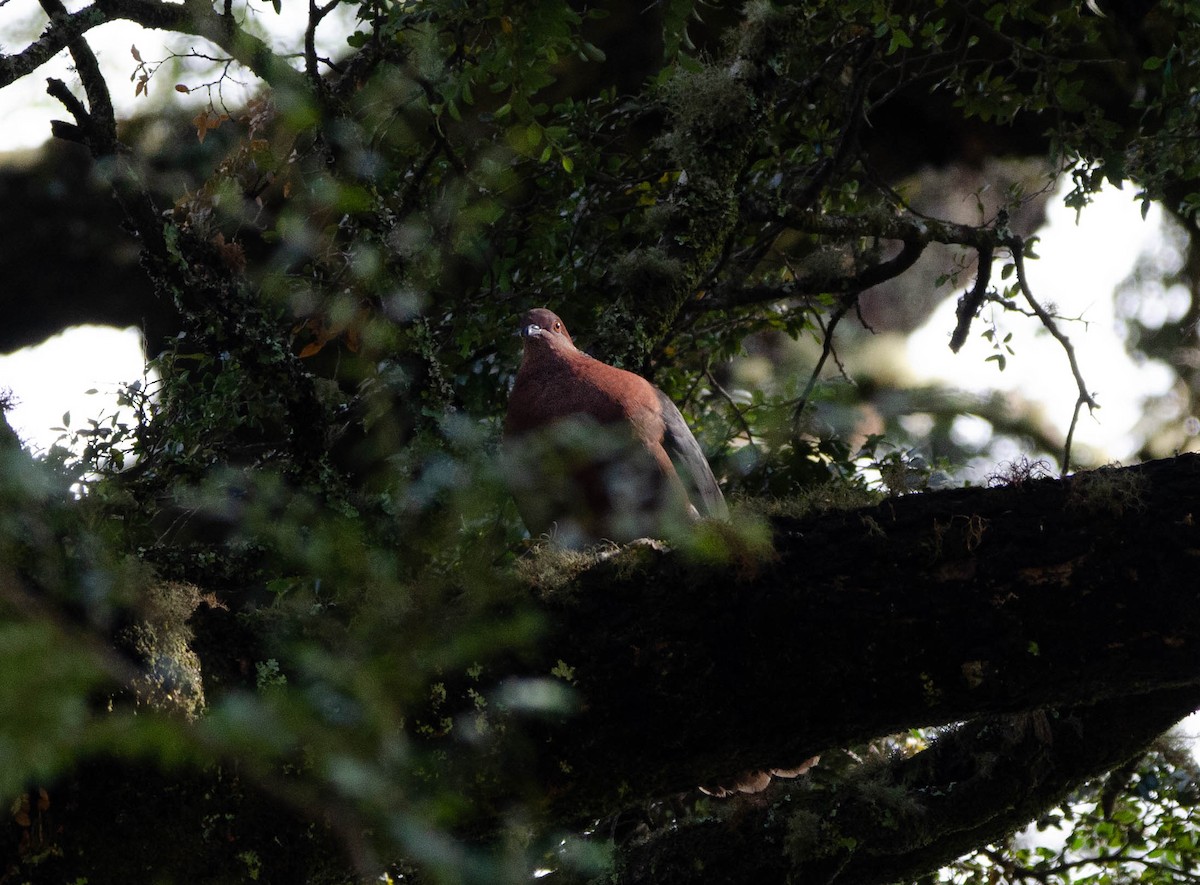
[(913, 232), (906, 227), (897, 820), (924, 610)]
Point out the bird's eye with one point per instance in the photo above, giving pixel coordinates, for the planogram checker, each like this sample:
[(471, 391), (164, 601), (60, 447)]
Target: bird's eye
[(557, 326)]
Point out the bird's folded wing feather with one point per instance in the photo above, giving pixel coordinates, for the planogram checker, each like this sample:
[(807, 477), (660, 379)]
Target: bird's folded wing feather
[(689, 461)]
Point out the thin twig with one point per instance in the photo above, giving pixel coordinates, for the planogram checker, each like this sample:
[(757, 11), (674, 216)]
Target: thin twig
[(826, 350), (725, 395), (1071, 436), (1047, 320)]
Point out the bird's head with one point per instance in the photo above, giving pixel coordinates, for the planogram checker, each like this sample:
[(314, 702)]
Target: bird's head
[(544, 326)]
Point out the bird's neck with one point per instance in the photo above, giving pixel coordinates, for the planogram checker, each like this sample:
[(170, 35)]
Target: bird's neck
[(547, 355)]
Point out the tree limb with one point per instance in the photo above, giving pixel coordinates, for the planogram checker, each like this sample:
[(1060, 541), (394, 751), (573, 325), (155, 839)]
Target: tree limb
[(197, 19), (969, 303), (914, 233), (897, 820), (948, 601), (96, 124)]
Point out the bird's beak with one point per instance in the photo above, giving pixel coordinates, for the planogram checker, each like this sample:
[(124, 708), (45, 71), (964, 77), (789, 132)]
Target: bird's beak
[(530, 330)]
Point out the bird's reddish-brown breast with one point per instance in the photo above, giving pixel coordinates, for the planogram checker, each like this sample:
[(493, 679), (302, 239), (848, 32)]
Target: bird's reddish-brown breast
[(588, 444)]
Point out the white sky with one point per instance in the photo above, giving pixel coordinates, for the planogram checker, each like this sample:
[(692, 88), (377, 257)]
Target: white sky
[(54, 378)]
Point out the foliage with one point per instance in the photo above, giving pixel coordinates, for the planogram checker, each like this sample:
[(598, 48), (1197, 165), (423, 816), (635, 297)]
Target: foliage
[(1138, 824), (291, 578)]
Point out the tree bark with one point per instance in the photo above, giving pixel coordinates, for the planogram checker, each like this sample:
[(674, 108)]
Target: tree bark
[(895, 821), (924, 610)]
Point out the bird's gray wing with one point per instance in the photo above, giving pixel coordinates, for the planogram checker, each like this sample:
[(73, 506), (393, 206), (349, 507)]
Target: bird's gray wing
[(689, 461)]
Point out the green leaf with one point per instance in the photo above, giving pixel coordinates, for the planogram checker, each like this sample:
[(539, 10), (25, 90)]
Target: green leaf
[(899, 40), (592, 52)]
